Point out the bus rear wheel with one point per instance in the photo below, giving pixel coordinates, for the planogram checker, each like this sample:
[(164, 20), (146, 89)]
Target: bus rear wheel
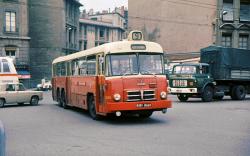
[(92, 108), (182, 97), (63, 101)]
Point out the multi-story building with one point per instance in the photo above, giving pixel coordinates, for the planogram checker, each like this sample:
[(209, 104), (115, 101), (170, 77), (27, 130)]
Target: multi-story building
[(233, 23), (184, 27), (14, 37), (100, 28), (53, 28)]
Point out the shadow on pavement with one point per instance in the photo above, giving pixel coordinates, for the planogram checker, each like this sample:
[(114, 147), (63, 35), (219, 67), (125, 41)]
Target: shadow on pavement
[(123, 120)]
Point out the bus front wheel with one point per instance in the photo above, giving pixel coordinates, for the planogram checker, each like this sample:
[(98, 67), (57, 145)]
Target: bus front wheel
[(92, 108)]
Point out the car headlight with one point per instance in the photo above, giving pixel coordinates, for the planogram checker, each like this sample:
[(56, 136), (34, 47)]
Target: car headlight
[(117, 97), (163, 95)]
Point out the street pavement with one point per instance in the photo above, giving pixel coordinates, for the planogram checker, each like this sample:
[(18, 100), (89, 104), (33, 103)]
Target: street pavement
[(193, 128)]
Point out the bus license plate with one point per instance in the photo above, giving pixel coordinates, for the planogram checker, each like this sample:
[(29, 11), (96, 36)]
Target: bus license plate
[(143, 105)]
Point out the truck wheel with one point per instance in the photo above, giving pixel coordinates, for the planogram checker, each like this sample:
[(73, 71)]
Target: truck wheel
[(207, 95), (238, 92), (182, 97), (92, 108), (2, 103)]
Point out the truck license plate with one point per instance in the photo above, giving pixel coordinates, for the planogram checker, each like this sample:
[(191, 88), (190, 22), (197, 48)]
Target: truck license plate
[(180, 83)]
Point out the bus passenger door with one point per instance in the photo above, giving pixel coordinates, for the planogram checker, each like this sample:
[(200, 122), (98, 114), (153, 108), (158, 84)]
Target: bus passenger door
[(101, 82)]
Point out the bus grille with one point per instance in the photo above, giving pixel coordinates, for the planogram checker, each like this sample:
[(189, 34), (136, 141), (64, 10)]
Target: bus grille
[(140, 95)]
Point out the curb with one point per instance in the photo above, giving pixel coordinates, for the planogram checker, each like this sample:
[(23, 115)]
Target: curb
[(2, 140)]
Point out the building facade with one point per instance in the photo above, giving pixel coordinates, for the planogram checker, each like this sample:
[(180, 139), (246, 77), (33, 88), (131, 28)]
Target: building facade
[(180, 26), (14, 35), (184, 27), (97, 29), (53, 28), (233, 23)]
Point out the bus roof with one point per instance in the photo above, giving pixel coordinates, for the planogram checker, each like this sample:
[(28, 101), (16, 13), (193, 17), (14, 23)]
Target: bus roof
[(113, 47)]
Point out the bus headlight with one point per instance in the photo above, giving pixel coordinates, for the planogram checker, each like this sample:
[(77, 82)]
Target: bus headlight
[(117, 97), (163, 95)]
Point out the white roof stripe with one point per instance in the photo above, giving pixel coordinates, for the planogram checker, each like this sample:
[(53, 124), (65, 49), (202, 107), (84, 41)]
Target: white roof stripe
[(114, 47)]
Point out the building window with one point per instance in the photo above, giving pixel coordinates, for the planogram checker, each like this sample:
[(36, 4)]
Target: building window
[(85, 45), (245, 10), (228, 6), (10, 52), (101, 33), (10, 21), (243, 41), (226, 40)]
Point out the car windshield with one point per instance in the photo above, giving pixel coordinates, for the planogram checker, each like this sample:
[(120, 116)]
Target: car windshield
[(184, 70), (132, 64)]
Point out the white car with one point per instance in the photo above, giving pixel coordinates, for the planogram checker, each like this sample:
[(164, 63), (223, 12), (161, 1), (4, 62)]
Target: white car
[(16, 93), (45, 86)]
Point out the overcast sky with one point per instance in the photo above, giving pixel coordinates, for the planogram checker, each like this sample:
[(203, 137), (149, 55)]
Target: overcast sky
[(99, 5)]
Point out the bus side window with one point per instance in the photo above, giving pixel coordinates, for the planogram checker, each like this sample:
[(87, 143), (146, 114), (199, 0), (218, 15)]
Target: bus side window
[(100, 64), (74, 67), (82, 66), (6, 68), (58, 69), (68, 69), (91, 65), (63, 69)]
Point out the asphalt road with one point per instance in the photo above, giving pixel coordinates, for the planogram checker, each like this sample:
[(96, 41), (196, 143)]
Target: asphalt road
[(193, 128)]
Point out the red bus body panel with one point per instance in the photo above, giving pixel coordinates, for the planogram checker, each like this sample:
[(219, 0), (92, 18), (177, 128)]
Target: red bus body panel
[(77, 89)]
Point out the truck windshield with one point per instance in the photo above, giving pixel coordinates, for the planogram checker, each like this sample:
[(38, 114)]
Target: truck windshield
[(184, 70), (133, 64)]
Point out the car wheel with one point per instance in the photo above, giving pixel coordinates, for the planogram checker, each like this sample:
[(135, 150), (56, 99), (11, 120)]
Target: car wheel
[(34, 100), (182, 97), (207, 95), (2, 102), (92, 108)]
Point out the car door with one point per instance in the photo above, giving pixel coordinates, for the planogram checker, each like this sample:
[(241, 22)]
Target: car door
[(11, 93), (23, 95)]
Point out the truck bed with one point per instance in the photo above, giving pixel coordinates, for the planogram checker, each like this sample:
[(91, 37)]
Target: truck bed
[(227, 63)]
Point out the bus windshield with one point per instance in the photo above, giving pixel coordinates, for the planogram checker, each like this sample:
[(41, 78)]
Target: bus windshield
[(133, 64), (184, 70)]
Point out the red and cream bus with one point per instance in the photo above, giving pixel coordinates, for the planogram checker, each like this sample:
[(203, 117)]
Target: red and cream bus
[(8, 72), (114, 78)]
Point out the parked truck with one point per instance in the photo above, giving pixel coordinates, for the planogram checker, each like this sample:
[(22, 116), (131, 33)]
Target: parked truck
[(221, 72)]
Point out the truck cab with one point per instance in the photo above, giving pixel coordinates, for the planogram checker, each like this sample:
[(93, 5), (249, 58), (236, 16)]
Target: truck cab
[(191, 80)]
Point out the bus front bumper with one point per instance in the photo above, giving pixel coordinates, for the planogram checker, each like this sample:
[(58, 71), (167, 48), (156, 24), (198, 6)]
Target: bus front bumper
[(139, 105)]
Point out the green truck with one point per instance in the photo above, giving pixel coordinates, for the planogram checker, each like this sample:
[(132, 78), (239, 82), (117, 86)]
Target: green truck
[(221, 72)]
